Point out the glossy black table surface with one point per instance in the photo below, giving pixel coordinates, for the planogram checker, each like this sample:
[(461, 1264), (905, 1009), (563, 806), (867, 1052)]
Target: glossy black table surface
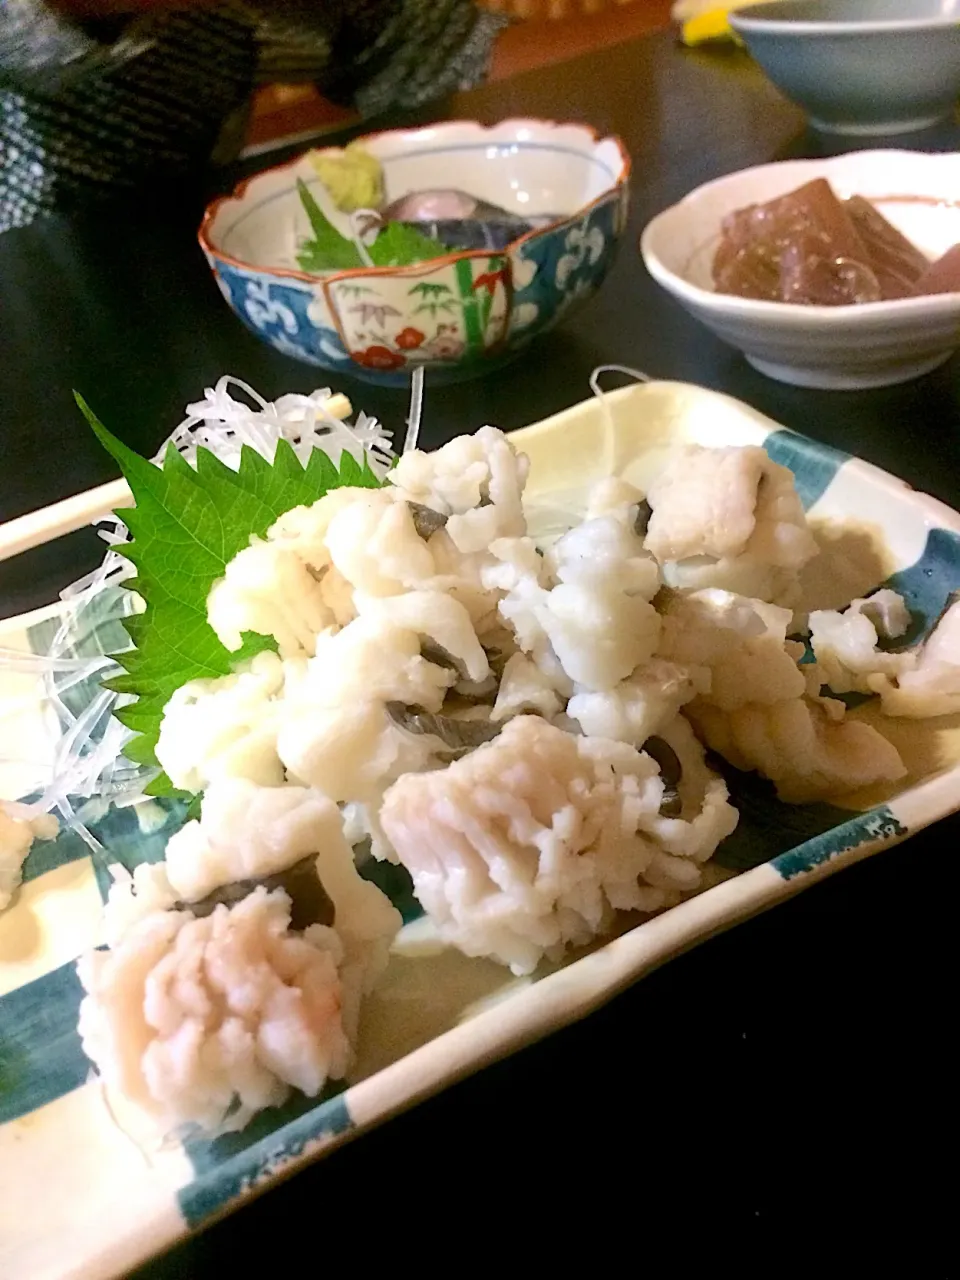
[(789, 1076)]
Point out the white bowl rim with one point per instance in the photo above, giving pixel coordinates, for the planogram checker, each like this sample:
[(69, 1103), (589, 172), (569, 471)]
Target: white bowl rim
[(238, 193), (760, 22), (789, 313)]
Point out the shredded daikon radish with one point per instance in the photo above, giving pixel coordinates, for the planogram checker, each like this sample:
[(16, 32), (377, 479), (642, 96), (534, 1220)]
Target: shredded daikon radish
[(611, 454), (416, 410), (636, 374), (223, 424)]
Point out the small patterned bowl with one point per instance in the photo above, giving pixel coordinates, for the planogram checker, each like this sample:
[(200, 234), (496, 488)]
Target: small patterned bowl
[(459, 315)]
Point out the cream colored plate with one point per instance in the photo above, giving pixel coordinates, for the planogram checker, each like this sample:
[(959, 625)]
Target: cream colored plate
[(94, 1195)]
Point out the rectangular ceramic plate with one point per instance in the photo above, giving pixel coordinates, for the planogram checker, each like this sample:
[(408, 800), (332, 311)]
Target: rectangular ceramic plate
[(92, 1194)]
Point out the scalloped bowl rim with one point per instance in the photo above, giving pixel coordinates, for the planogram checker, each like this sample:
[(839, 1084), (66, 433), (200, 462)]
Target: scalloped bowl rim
[(239, 193)]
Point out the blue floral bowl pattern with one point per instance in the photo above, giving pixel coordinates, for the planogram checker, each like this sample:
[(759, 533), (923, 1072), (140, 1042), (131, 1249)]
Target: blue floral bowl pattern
[(564, 265), (278, 311), (458, 315)]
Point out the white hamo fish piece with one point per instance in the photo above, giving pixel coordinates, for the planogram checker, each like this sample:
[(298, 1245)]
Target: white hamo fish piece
[(208, 1021), (246, 832), (742, 644), (729, 518), (270, 591), (525, 687), (374, 658), (610, 496), (570, 853), (641, 705), (437, 616), (845, 644), (476, 481), (225, 727), (205, 1018), (808, 753), (606, 549), (373, 543), (599, 632), (931, 687), (351, 753)]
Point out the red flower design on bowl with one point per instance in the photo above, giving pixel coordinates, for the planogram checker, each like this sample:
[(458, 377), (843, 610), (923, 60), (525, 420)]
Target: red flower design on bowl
[(378, 358), (409, 338)]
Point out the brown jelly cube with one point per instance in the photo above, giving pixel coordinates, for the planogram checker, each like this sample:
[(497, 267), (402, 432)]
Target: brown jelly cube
[(755, 239), (896, 263), (942, 276), (750, 270), (808, 276)]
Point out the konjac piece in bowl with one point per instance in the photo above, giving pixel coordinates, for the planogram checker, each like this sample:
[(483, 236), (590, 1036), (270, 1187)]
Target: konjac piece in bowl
[(810, 247)]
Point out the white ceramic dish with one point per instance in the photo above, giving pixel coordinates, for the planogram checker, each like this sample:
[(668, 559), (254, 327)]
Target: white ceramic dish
[(843, 348), (88, 1202)]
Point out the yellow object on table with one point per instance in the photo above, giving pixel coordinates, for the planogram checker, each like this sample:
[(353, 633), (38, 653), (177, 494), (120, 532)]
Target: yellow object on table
[(707, 27), (704, 21)]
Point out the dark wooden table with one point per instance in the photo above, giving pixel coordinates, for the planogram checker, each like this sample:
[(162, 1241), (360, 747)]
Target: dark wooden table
[(788, 1077)]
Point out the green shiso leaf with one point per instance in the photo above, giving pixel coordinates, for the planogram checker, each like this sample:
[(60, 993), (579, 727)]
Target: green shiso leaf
[(397, 245), (186, 525)]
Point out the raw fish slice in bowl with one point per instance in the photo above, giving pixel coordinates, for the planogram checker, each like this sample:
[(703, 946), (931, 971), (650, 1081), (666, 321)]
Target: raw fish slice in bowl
[(461, 221)]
